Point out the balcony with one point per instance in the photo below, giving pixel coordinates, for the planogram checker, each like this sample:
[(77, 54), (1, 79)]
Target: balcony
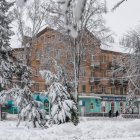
[(114, 65), (123, 82), (98, 92), (95, 80), (95, 64), (112, 81), (119, 81)]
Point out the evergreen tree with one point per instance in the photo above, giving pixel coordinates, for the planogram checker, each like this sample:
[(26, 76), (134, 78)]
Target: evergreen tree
[(6, 64), (10, 67), (130, 103), (5, 31), (63, 108)]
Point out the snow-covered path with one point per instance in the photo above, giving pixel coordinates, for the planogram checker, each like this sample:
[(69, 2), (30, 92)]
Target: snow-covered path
[(88, 129)]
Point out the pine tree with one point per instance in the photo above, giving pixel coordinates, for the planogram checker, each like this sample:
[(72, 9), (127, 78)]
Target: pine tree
[(6, 64), (29, 110), (63, 108), (5, 31), (130, 103)]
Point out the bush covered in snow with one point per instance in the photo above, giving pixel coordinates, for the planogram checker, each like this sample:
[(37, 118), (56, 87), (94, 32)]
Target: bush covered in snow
[(63, 108), (130, 103)]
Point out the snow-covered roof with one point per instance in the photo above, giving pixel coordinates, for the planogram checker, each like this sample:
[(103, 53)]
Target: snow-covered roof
[(115, 47), (92, 96)]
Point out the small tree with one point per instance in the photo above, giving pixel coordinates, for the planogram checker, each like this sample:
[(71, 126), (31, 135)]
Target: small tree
[(130, 102), (63, 108)]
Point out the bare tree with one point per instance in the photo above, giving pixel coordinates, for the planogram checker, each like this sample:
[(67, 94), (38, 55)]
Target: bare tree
[(91, 23), (132, 42), (30, 20), (118, 4), (78, 20), (79, 34)]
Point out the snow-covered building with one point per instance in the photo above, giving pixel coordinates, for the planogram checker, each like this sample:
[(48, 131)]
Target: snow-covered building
[(102, 82), (107, 80)]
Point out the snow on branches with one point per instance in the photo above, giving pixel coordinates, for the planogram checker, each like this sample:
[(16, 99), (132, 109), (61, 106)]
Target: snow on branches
[(7, 68), (29, 110), (5, 31), (13, 72), (63, 108), (62, 105), (77, 11), (21, 3), (48, 76), (130, 103)]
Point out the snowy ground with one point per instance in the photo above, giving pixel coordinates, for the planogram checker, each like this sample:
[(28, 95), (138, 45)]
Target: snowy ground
[(88, 129)]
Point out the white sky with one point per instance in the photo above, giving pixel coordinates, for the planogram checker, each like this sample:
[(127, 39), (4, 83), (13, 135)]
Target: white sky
[(124, 18)]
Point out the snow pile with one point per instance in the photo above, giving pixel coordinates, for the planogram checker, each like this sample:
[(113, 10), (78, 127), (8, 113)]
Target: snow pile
[(88, 129)]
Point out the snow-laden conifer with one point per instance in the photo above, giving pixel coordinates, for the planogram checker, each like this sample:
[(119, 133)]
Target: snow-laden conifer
[(130, 102), (15, 77), (63, 108)]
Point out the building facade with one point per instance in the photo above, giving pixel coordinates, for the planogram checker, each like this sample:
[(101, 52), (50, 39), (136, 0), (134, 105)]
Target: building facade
[(102, 82), (106, 79)]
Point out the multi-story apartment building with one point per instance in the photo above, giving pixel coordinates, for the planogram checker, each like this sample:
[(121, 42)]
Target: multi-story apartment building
[(45, 53), (101, 76), (102, 82)]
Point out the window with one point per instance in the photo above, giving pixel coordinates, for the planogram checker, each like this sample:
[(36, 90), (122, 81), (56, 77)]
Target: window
[(83, 88), (92, 58), (83, 72), (46, 104), (117, 90), (37, 72), (103, 58), (103, 89), (112, 106), (104, 73), (98, 89), (121, 90), (91, 106), (83, 57), (92, 89), (121, 107), (57, 54), (92, 73), (46, 87), (48, 48), (103, 105), (125, 90), (36, 87), (113, 90), (37, 55)]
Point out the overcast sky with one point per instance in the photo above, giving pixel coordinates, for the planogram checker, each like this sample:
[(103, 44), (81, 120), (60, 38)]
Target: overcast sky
[(125, 17)]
